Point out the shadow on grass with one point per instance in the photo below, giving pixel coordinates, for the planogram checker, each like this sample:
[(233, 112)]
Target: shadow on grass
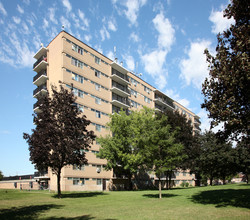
[(224, 197), (164, 195), (83, 217), (81, 194), (26, 212)]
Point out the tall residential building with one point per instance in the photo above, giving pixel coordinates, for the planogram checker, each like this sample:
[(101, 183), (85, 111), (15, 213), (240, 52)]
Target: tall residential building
[(102, 87)]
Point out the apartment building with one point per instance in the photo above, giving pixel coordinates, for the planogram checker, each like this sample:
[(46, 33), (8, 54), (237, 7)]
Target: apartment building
[(102, 87)]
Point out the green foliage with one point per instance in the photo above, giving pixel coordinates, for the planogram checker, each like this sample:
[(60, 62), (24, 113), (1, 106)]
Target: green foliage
[(217, 158), (141, 140), (242, 151), (1, 175), (191, 147), (227, 90), (60, 134)]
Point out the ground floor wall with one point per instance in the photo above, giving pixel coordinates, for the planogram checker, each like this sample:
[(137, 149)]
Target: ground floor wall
[(30, 184)]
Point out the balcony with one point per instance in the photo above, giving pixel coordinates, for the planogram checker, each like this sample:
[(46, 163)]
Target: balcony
[(120, 89), (40, 78), (40, 64), (196, 120), (164, 102), (119, 101), (119, 77), (117, 110), (41, 52), (40, 90), (36, 107)]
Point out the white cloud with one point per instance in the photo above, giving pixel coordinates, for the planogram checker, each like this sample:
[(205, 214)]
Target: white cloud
[(82, 17), (112, 25), (99, 48), (220, 23), (2, 9), (130, 63), (133, 7), (184, 102), (17, 53), (27, 2), (67, 5), (166, 32), (30, 22), (87, 37), (110, 55), (16, 20), (175, 95), (65, 22), (194, 69), (133, 36), (45, 24), (20, 9), (104, 33), (52, 15), (153, 62), (161, 80)]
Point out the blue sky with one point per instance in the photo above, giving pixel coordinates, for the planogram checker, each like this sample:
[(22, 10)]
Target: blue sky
[(162, 39)]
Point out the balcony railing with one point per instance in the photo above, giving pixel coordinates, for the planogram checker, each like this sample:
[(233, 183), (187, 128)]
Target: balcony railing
[(42, 73), (121, 87), (39, 61), (119, 77), (165, 101), (119, 101), (40, 78), (197, 121), (39, 89), (117, 110)]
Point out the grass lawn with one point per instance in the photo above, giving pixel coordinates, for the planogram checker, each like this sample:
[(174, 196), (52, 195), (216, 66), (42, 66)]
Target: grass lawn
[(216, 202)]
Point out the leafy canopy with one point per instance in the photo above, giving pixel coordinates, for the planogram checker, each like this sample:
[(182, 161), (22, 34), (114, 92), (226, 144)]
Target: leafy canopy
[(227, 90), (60, 135)]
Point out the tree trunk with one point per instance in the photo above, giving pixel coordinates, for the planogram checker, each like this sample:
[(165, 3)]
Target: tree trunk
[(247, 178), (167, 181), (211, 181), (170, 178), (130, 187), (59, 184), (224, 180), (159, 188)]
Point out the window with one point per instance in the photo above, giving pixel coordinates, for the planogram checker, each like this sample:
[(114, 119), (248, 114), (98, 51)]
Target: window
[(184, 173), (97, 74), (81, 108), (78, 167), (99, 182), (98, 127), (31, 185), (98, 114), (15, 185), (97, 100), (97, 60), (146, 99), (177, 173), (78, 181), (97, 87)]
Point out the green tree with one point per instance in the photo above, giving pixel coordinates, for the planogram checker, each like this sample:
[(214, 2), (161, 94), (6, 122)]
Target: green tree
[(158, 146), (1, 175), (186, 138), (216, 159), (60, 135), (243, 157), (227, 90), (117, 147)]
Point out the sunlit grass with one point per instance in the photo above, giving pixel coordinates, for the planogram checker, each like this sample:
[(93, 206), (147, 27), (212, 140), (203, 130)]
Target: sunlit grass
[(216, 202)]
